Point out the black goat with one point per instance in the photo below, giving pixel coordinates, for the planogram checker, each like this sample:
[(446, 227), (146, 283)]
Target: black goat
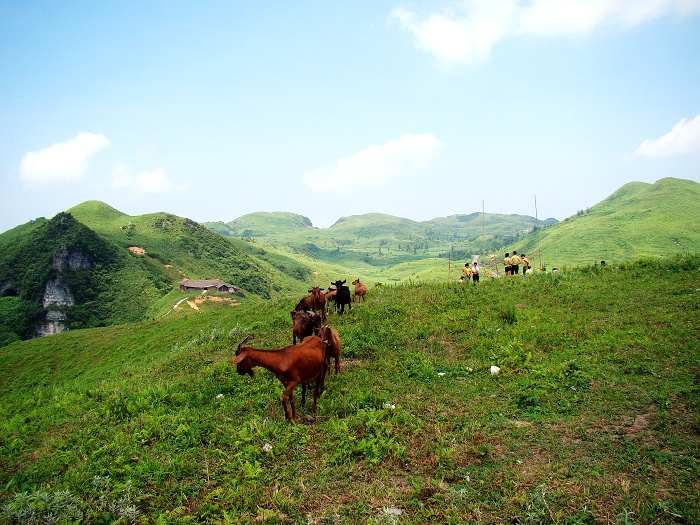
[(342, 296)]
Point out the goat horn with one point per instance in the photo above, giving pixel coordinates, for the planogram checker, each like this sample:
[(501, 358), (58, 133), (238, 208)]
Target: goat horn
[(238, 350)]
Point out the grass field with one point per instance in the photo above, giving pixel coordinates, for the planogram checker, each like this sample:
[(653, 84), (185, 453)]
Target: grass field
[(593, 417)]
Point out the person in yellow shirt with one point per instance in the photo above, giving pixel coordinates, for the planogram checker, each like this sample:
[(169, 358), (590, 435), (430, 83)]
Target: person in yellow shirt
[(525, 262), (466, 272), (506, 264), (514, 263)]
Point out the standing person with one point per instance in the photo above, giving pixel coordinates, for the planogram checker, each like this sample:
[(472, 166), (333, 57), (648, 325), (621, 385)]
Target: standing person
[(526, 263), (506, 264), (475, 272), (466, 272), (514, 263)]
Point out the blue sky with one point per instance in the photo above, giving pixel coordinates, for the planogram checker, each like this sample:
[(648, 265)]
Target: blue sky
[(411, 108)]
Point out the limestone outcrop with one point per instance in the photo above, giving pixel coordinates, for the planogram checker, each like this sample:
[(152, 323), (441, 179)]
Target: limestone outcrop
[(57, 294)]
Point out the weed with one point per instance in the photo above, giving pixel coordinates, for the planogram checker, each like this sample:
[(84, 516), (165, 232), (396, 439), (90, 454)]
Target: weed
[(624, 517), (508, 314)]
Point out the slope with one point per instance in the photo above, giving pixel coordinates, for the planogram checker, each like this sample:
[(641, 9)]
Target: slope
[(148, 423), (195, 251), (638, 220)]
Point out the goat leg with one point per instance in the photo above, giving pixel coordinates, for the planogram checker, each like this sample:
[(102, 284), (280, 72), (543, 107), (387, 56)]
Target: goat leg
[(287, 398), (294, 405)]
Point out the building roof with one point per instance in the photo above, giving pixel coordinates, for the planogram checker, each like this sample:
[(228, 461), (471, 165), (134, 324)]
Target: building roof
[(204, 283)]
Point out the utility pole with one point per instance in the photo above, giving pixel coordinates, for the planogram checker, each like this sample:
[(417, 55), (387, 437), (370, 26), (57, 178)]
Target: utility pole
[(537, 225)]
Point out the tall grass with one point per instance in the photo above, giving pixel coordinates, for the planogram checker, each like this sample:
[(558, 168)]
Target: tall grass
[(593, 417)]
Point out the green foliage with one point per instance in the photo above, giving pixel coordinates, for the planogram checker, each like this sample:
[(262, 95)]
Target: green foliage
[(16, 317), (591, 413), (102, 505)]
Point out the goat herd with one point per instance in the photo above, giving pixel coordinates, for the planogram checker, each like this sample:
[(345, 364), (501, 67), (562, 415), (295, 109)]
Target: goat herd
[(310, 360)]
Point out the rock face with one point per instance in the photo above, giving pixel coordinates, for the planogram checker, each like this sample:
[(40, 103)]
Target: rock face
[(57, 294), (54, 324), (74, 260)]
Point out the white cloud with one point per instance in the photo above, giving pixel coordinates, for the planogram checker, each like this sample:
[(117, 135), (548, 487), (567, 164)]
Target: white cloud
[(376, 165), (468, 31), (683, 138), (146, 182), (459, 38), (63, 161)]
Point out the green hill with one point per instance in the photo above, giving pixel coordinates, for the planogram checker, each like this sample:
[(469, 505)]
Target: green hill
[(61, 274), (381, 247), (281, 254), (195, 251), (18, 232), (593, 417), (113, 268), (638, 220)]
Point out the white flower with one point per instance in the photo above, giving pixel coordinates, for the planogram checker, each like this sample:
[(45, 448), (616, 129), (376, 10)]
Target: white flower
[(494, 370), (267, 447)]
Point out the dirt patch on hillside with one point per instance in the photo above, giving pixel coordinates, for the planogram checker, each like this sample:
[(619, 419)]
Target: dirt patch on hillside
[(137, 250), (199, 300)]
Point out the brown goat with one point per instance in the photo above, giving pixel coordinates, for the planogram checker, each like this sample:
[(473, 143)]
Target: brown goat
[(305, 324), (331, 341), (315, 302), (292, 365), (360, 290), (330, 296)]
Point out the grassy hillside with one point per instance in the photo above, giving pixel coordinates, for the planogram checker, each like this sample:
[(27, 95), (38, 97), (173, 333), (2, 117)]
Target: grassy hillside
[(194, 250), (20, 231), (120, 286), (378, 246), (593, 417), (111, 288), (638, 220)]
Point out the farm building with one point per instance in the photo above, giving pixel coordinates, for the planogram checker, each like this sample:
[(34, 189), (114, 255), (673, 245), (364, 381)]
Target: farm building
[(214, 285)]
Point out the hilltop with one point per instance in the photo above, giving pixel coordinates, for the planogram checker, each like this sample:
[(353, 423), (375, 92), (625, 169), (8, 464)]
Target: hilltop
[(638, 220), (384, 247)]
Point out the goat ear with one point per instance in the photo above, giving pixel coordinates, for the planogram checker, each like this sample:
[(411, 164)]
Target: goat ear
[(343, 281)]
